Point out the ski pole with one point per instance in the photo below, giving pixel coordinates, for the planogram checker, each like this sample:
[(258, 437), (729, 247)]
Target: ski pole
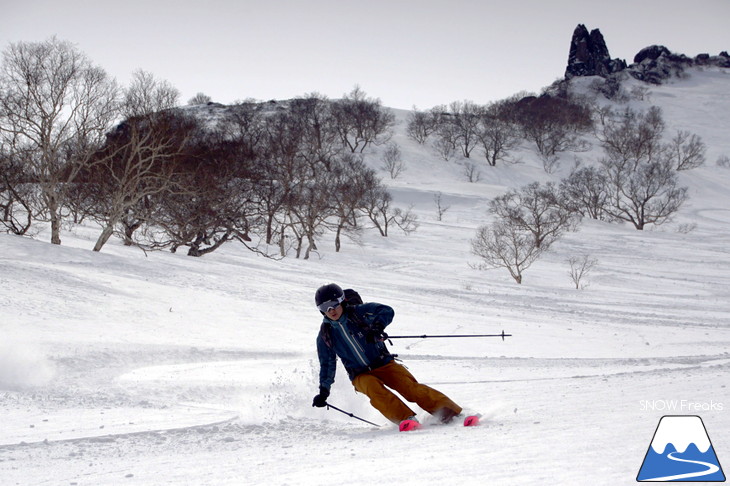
[(349, 414), (424, 336)]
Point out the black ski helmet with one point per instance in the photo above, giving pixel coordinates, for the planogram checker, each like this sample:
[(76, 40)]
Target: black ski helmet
[(329, 293)]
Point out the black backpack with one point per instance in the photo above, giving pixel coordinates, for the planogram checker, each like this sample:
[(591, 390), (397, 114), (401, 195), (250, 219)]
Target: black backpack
[(352, 297)]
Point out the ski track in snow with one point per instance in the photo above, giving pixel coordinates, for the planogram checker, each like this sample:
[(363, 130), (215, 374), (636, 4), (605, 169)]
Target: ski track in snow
[(585, 395)]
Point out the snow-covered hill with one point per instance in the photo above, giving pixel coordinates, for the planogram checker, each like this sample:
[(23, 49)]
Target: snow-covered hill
[(159, 369)]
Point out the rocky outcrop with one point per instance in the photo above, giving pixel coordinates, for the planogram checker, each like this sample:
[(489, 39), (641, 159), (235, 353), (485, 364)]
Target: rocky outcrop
[(589, 55), (654, 64), (723, 60)]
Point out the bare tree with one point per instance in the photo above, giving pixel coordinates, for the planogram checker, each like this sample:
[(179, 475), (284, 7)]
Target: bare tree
[(312, 119), (302, 154), (147, 94), (465, 119), (353, 181), (213, 201), (361, 121), (445, 141), (247, 128), (643, 193), (286, 171), (687, 149), (440, 207), (585, 190), (310, 209), (136, 162), (456, 128), (393, 160), (631, 137), (497, 134), (15, 195), (55, 109), (554, 124), (309, 212), (471, 171), (378, 208), (504, 244), (200, 99), (579, 268), (639, 169), (420, 125), (640, 92), (536, 210)]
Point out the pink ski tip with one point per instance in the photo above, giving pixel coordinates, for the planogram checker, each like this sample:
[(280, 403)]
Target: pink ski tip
[(408, 425), (471, 421)]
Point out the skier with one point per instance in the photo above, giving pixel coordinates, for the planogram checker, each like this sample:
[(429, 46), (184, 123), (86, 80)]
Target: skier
[(355, 333)]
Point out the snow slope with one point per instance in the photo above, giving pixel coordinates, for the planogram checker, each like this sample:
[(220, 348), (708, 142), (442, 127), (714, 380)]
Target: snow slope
[(160, 369)]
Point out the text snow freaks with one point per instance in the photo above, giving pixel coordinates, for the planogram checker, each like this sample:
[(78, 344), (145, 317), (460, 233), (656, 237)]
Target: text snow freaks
[(680, 406)]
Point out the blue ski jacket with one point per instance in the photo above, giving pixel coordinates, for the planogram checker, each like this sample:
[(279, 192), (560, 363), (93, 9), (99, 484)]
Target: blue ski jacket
[(347, 338)]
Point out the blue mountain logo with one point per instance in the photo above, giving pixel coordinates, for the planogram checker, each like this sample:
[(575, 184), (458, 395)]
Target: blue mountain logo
[(681, 451)]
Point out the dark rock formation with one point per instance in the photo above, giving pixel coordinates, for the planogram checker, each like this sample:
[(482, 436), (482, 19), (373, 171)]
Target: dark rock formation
[(589, 55), (654, 64), (651, 53), (723, 60)]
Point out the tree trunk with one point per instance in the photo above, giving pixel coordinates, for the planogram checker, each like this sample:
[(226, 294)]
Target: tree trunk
[(129, 231), (299, 246), (106, 233), (55, 222), (282, 243), (337, 239), (269, 229), (197, 251), (312, 245)]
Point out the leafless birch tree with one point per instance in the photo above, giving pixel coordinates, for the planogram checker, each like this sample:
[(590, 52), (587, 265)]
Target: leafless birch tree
[(136, 162), (55, 108), (505, 245)]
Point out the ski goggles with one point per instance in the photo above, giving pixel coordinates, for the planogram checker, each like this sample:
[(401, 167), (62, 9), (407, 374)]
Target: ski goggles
[(330, 304)]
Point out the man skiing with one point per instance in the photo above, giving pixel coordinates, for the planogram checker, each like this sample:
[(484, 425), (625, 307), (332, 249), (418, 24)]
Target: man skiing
[(355, 334)]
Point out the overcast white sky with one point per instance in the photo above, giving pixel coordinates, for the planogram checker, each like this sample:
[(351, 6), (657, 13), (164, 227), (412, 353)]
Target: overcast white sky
[(405, 52)]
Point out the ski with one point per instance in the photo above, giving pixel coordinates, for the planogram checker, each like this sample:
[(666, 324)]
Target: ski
[(471, 421), (409, 424), (412, 424)]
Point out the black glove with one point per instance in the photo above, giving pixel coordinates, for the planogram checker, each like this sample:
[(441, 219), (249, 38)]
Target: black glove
[(321, 399), (376, 334)]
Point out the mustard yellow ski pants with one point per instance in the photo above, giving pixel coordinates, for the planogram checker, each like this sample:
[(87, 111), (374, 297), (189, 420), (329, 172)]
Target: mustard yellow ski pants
[(397, 377)]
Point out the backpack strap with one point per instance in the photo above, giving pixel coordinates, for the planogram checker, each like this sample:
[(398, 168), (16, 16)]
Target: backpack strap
[(325, 330)]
